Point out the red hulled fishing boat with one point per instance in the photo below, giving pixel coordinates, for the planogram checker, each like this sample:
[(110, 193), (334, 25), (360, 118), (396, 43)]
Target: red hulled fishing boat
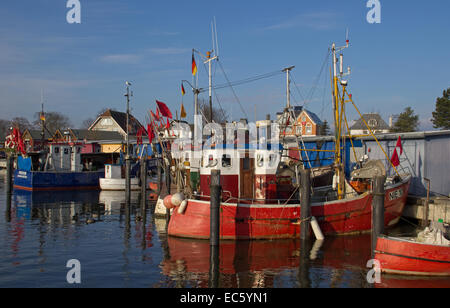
[(260, 186)]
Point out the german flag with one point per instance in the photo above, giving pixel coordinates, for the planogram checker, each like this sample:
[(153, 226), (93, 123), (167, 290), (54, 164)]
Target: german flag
[(42, 117), (182, 90), (194, 66)]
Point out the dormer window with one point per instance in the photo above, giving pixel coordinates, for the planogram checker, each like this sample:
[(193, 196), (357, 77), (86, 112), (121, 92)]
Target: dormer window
[(372, 123)]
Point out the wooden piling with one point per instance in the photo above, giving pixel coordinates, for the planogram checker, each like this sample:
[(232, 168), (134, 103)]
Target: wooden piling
[(216, 193), (168, 186), (127, 180), (214, 252), (144, 182), (305, 203), (9, 174), (377, 209)]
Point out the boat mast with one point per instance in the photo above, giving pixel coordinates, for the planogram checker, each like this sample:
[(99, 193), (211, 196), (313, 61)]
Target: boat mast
[(128, 117), (338, 109), (288, 94), (208, 61), (42, 118)]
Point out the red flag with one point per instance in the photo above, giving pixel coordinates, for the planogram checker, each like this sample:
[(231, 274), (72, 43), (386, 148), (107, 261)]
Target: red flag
[(395, 160), (139, 135), (168, 124), (155, 116), (165, 111), (151, 135), (399, 145)]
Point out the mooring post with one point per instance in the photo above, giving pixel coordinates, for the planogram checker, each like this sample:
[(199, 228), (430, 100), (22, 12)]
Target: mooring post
[(426, 205), (216, 192), (127, 180), (305, 203), (159, 173), (144, 182), (8, 208), (168, 185), (9, 174), (214, 251), (377, 209)]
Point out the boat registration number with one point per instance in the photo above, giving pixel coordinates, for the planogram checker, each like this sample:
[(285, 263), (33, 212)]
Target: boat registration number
[(396, 194)]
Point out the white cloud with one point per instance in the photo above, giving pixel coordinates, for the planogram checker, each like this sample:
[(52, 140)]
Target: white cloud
[(316, 21), (121, 59)]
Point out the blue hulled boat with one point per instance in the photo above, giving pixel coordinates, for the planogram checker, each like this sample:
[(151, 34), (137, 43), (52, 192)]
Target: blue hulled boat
[(59, 169)]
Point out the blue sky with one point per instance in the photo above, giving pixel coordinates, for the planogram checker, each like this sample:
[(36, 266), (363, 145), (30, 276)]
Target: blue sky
[(82, 68)]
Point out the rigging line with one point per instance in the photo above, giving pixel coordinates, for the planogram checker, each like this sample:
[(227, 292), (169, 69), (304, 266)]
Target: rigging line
[(244, 81), (316, 80), (237, 99), (220, 105), (325, 87), (213, 89)]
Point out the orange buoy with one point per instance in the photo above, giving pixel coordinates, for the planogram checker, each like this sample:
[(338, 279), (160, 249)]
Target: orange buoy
[(168, 202)]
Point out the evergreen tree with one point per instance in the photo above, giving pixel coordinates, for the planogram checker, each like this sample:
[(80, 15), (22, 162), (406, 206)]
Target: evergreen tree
[(324, 129), (407, 122), (441, 117)]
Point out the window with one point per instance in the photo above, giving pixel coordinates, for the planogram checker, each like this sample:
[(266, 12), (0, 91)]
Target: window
[(226, 161), (272, 160), (260, 160), (56, 150), (299, 130), (106, 121), (211, 162), (66, 151), (373, 123), (308, 129)]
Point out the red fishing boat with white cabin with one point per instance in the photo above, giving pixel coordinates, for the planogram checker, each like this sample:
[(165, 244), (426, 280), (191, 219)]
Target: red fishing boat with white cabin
[(260, 198)]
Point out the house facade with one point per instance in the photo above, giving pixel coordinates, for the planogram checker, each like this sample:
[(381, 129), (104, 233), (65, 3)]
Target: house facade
[(306, 123), (374, 121), (116, 121)]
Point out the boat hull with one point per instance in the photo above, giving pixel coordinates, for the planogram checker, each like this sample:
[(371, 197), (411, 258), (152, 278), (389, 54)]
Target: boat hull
[(277, 221), (407, 257), (118, 184), (51, 181)]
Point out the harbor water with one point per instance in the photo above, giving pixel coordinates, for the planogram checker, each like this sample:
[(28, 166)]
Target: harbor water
[(119, 247)]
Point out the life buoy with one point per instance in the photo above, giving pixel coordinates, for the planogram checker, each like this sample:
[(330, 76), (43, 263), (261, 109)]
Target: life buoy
[(9, 142)]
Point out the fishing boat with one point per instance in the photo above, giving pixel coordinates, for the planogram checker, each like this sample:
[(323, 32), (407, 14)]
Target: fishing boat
[(114, 176), (260, 186), (59, 169), (428, 254)]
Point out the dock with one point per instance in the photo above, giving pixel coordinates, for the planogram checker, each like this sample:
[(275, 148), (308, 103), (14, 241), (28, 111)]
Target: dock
[(438, 208)]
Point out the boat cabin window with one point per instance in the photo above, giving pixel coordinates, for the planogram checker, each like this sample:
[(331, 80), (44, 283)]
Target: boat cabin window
[(260, 160), (66, 151), (226, 161), (272, 160), (56, 150), (210, 162)]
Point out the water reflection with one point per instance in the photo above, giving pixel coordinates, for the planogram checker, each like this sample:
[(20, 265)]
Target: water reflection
[(123, 245)]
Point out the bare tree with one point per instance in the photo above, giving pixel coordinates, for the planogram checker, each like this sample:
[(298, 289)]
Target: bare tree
[(218, 114), (53, 121)]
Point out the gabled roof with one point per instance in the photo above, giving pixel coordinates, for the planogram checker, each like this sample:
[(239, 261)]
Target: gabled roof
[(36, 134), (313, 117), (121, 119), (381, 124), (85, 134)]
